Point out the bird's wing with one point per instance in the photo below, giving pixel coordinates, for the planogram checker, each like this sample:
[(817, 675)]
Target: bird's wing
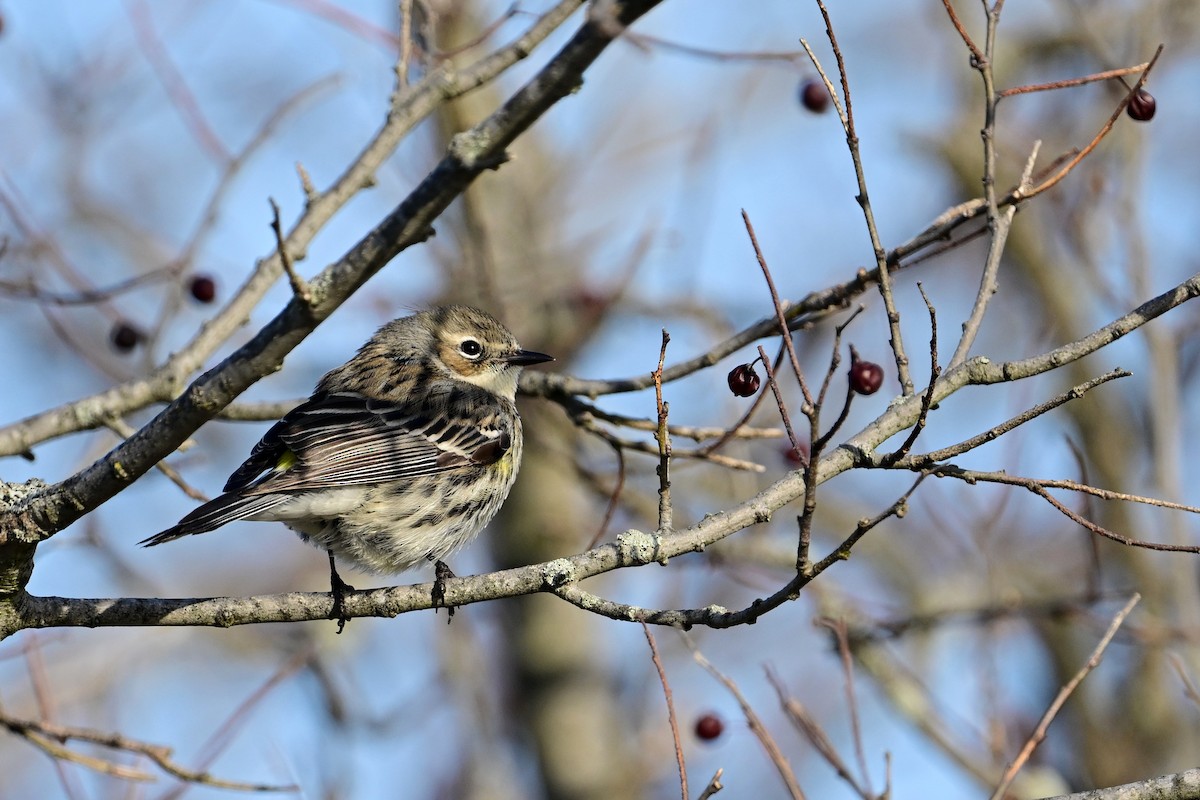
[(346, 439), (217, 512)]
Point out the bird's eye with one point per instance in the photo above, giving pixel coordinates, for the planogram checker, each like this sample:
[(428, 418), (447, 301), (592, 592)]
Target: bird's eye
[(470, 348)]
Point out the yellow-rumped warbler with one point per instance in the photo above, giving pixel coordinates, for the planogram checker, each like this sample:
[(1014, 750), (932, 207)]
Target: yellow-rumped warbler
[(403, 453)]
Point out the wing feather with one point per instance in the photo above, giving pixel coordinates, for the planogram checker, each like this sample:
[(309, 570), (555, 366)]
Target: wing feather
[(345, 439)]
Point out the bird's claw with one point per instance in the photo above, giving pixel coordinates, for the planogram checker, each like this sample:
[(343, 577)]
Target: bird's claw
[(441, 573)]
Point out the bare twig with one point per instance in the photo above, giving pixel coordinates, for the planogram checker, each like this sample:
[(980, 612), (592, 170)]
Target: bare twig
[(406, 43), (739, 430), (49, 738), (835, 360), (645, 41), (780, 315), (930, 459), (1023, 193), (927, 398), (999, 225), (1065, 692), (756, 726), (807, 724), (613, 500), (299, 287), (578, 409), (1069, 82), (1100, 530), (174, 83), (779, 401), (839, 629), (714, 785), (976, 53), (662, 677), (863, 197), (663, 436), (842, 552)]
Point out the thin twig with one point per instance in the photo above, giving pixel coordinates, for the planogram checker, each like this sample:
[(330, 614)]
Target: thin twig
[(927, 398), (662, 677), (1069, 82), (714, 785), (864, 201), (714, 616), (1039, 733), (646, 41), (299, 287), (578, 408), (1023, 193), (663, 435), (973, 476), (999, 225), (406, 12), (930, 459), (976, 53), (638, 446), (807, 724), (839, 629), (779, 402), (756, 726), (779, 315), (739, 429), (1100, 530), (47, 736), (174, 83), (613, 500), (835, 360), (842, 552)]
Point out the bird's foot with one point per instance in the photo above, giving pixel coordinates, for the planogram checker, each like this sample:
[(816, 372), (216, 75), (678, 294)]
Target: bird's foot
[(338, 588), (441, 573)]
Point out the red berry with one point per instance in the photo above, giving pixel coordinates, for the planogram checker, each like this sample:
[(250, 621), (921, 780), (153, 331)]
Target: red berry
[(125, 336), (709, 727), (1142, 106), (866, 377), (814, 96), (203, 289), (743, 380)]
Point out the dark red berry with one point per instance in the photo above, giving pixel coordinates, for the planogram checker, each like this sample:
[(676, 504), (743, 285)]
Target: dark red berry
[(796, 457), (866, 377), (709, 727), (743, 380), (203, 289), (125, 336), (1142, 106), (814, 96)]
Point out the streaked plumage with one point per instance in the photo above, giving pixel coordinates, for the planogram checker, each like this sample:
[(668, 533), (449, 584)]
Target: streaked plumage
[(402, 454)]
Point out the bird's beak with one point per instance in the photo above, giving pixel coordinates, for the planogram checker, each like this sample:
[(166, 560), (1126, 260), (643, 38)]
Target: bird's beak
[(525, 358)]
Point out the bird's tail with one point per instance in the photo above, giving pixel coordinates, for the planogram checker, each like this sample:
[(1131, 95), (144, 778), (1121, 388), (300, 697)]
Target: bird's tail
[(215, 513)]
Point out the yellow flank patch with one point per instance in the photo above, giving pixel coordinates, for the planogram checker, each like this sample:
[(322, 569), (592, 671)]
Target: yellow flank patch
[(286, 461)]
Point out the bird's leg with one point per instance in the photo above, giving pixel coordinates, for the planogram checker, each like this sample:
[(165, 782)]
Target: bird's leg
[(338, 588), (441, 573)]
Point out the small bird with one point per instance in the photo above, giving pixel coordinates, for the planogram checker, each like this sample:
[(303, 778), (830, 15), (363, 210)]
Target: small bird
[(402, 454)]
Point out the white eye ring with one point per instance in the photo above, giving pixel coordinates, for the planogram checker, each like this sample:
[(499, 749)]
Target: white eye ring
[(470, 348)]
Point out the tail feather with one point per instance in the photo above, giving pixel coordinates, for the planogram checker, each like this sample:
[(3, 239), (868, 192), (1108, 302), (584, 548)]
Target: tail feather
[(215, 513)]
